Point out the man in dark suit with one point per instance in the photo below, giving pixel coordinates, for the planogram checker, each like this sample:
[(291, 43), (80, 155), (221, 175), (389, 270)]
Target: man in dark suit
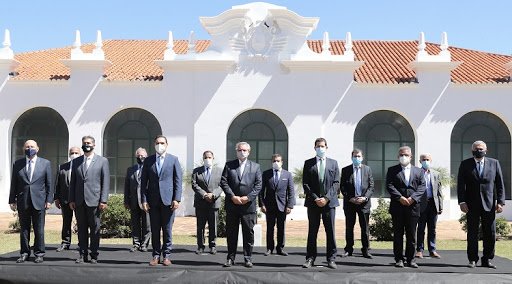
[(139, 219), (205, 183), (277, 199), (161, 195), (430, 207), (321, 182), (31, 194), (356, 185), (88, 195), (406, 186), (481, 193), (62, 182), (241, 182)]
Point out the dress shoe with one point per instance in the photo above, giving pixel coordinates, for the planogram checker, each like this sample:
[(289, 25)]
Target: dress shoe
[(282, 252), (166, 262), (143, 249), (309, 263), (399, 264), (39, 259), (94, 261), (154, 261), (200, 251), (434, 254), (488, 263), (472, 264), (331, 264), (248, 264), (22, 259), (229, 263), (134, 249), (367, 254), (213, 250), (81, 259), (346, 254), (268, 252), (419, 254), (412, 264), (62, 247)]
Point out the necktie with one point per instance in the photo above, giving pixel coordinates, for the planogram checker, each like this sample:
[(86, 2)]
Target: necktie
[(429, 187), (29, 170), (358, 181), (406, 177), (159, 164), (207, 177), (321, 176), (276, 177), (480, 168)]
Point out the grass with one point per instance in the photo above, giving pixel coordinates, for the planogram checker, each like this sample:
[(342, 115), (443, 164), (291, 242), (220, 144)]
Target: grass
[(10, 242)]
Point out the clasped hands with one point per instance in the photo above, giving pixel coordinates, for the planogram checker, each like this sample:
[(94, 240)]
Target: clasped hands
[(321, 201), (357, 200), (464, 208), (406, 201), (209, 197), (240, 200)]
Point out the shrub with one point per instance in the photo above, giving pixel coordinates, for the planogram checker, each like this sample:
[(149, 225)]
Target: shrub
[(221, 222), (381, 225), (502, 227), (115, 220), (297, 180), (15, 226)]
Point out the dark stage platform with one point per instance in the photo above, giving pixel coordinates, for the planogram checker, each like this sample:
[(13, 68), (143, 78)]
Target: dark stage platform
[(118, 265)]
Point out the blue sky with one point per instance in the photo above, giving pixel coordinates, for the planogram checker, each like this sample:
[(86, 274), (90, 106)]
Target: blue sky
[(471, 24)]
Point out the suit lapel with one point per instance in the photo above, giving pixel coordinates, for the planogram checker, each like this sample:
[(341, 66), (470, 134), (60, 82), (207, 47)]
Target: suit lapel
[(27, 174), (401, 174)]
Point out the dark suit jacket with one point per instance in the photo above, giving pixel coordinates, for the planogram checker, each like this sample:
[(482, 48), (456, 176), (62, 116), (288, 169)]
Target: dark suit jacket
[(397, 187), (131, 184), (201, 187), (311, 183), (167, 187), (347, 187), (40, 188), (437, 193), (62, 183), (91, 186), (283, 194), (249, 184), (488, 189)]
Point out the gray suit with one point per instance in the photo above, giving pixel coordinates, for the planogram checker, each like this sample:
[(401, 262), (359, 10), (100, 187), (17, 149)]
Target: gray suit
[(429, 209), (62, 182), (140, 222), (89, 187), (206, 211)]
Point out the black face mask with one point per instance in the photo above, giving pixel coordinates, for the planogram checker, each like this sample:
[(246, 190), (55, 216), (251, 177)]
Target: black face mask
[(87, 148), (30, 152), (140, 161), (479, 154)]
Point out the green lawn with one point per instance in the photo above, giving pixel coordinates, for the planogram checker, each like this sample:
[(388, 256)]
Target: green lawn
[(10, 242)]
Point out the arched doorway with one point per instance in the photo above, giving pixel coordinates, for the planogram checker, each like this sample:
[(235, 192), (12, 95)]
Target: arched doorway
[(380, 134), (485, 126), (264, 131), (126, 131), (48, 129)]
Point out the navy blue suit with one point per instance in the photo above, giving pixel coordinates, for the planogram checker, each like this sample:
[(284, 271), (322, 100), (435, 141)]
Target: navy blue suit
[(159, 191), (277, 198), (31, 196)]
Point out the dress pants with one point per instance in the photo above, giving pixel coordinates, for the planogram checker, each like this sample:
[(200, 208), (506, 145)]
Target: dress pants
[(233, 219), (141, 227), (428, 218), (203, 216), (89, 222), (328, 216), (404, 221), (488, 219), (162, 219), (350, 222), (274, 216), (67, 217), (28, 217)]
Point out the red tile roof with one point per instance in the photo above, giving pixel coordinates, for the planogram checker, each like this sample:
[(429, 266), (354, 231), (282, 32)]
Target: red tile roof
[(384, 61)]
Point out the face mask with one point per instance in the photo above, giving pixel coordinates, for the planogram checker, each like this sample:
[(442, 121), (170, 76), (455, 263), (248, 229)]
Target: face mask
[(140, 160), (425, 165), (208, 163), (30, 152), (320, 151), (73, 156), (242, 155), (357, 161), (404, 160), (479, 154), (277, 165), (87, 148), (160, 148)]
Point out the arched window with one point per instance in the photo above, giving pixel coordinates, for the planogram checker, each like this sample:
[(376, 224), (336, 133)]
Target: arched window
[(380, 134), (126, 131), (485, 126), (48, 129), (264, 131)]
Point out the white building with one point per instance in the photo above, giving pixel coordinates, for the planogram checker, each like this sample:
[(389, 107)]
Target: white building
[(258, 79)]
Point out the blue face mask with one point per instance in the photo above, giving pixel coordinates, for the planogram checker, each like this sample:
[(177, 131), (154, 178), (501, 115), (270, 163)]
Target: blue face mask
[(425, 165), (30, 152), (357, 161), (320, 151)]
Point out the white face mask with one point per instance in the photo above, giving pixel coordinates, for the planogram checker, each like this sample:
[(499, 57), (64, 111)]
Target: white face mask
[(320, 151), (404, 160), (73, 156), (208, 162), (242, 155), (160, 148), (277, 165)]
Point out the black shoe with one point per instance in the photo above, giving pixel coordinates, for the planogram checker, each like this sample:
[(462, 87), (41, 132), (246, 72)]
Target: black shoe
[(22, 259), (143, 249), (309, 263), (282, 252), (248, 263), (488, 263), (331, 264), (134, 249), (213, 250), (367, 254), (229, 263), (62, 247), (346, 254), (94, 261), (200, 251), (81, 259), (399, 264), (268, 252), (472, 264), (39, 259), (412, 264)]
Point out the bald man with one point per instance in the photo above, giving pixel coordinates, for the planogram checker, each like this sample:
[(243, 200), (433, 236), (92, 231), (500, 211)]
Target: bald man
[(31, 194)]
